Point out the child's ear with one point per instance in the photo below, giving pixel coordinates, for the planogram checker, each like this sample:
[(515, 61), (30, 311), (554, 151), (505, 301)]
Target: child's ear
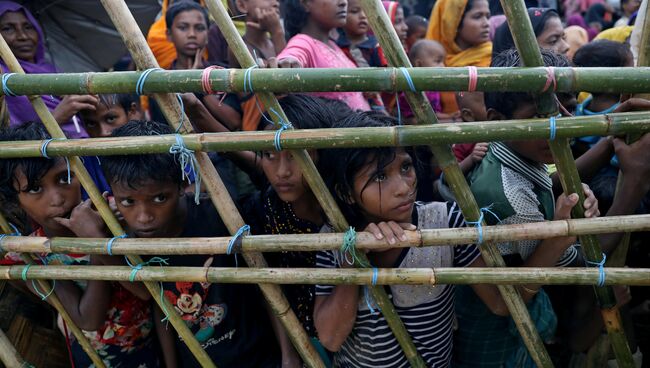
[(467, 114), (134, 113), (493, 114), (241, 6)]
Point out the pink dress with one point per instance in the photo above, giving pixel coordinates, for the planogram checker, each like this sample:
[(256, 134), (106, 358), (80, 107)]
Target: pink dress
[(312, 53)]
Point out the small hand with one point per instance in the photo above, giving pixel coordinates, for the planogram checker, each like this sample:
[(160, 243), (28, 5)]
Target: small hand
[(197, 63), (390, 231), (268, 20), (289, 62), (84, 221), (72, 104), (633, 159), (479, 151)]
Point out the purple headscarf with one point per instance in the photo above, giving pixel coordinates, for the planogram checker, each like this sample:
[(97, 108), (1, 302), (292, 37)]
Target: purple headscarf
[(20, 109)]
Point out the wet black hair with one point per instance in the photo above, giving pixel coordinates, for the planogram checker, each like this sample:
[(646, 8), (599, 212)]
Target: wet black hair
[(34, 168), (339, 166), (183, 6), (125, 100), (507, 102), (602, 53), (414, 21), (307, 112), (137, 170), (295, 17)]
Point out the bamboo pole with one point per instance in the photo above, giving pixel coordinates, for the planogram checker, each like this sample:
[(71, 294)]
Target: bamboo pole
[(629, 80), (8, 354), (408, 135), (424, 114), (524, 37), (347, 276), (329, 241), (102, 207), (53, 299), (126, 25), (309, 172)]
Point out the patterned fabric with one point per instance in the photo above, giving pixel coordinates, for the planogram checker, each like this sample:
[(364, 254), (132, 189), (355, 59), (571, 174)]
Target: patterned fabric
[(125, 338), (427, 311)]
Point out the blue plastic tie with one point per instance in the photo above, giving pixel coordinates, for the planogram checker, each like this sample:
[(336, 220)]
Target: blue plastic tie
[(277, 140), (186, 158), (44, 154), (479, 223), (552, 127), (138, 267), (43, 296), (109, 245), (5, 88), (248, 80), (601, 270), (24, 273), (408, 78), (244, 230), (366, 292), (375, 274), (348, 249), (139, 85)]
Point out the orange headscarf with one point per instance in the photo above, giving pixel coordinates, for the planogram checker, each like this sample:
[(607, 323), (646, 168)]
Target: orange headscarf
[(443, 27)]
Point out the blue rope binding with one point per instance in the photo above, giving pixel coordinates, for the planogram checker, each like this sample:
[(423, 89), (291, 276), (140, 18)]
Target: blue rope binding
[(243, 231), (601, 269), (186, 158), (479, 223), (44, 154), (552, 127), (5, 88), (109, 244)]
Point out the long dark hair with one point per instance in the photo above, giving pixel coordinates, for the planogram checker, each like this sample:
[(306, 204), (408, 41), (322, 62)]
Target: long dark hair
[(295, 17)]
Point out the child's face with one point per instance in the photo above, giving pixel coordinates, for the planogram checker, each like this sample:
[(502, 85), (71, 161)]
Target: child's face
[(388, 194), (357, 22), (248, 7), (431, 55), (52, 197), (415, 35), (105, 119), (472, 106), (20, 34), (475, 27), (189, 32), (153, 210), (400, 24), (327, 14), (284, 174)]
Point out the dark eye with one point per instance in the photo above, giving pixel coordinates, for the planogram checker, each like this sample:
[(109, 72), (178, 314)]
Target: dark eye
[(126, 202), (268, 155), (379, 177), (160, 198), (35, 189), (406, 167)]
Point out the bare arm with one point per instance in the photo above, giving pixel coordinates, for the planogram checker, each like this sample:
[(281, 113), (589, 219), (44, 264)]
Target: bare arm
[(334, 315), (165, 338), (290, 357)]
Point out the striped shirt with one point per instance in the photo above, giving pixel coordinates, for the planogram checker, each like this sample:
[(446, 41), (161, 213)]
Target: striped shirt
[(427, 311)]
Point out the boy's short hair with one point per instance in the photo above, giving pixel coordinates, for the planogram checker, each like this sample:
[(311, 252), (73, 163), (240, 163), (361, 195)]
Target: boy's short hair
[(34, 168), (304, 112), (136, 170), (414, 21), (125, 100), (507, 102), (183, 6), (602, 53)]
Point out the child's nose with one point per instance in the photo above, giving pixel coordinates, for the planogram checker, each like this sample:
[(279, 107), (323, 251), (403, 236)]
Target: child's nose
[(144, 217), (56, 199)]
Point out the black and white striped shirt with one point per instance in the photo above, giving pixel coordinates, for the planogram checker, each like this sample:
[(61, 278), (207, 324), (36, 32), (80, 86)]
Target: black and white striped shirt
[(430, 324)]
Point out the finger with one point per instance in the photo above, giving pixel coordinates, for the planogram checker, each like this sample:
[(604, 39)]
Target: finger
[(78, 106), (388, 233), (62, 221), (408, 226), (272, 62), (253, 25), (374, 230), (397, 230)]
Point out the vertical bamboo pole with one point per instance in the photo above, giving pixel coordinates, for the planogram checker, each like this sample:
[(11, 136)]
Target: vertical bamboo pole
[(524, 37), (102, 207), (6, 228), (309, 171), (396, 55), (126, 25)]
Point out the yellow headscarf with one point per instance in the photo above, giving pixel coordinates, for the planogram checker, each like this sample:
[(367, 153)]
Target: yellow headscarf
[(443, 27), (617, 34)]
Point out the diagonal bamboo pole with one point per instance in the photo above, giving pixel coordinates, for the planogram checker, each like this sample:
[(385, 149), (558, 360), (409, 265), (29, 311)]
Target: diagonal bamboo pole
[(126, 25), (102, 207), (422, 110), (524, 37), (406, 135), (630, 80), (329, 241), (347, 276), (8, 354), (6, 228), (310, 173)]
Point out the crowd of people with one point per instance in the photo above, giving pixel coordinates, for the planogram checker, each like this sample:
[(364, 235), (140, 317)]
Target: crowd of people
[(384, 191)]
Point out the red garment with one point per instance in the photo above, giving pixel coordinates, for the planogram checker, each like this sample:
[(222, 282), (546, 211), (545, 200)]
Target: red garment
[(463, 150)]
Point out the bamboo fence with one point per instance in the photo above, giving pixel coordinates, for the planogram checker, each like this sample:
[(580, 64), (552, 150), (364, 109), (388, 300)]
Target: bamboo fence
[(267, 81)]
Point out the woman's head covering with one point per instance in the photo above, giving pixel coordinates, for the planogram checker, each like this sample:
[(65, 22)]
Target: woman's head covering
[(443, 27), (576, 36), (618, 34), (495, 22), (578, 20), (391, 9), (538, 17), (19, 107), (597, 13)]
